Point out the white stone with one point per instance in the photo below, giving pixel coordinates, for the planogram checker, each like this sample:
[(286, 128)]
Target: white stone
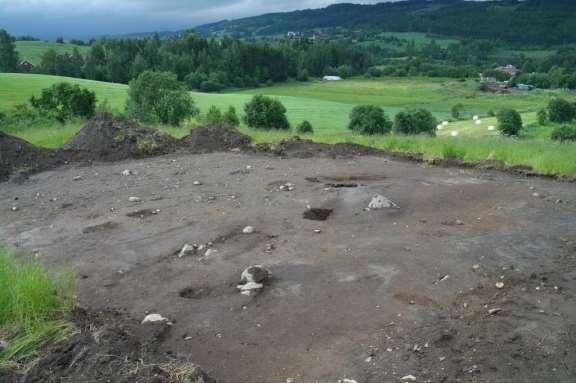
[(248, 230), (408, 378), (210, 252), (347, 381), (381, 202), (499, 285), (127, 172), (187, 250), (197, 183), (134, 199), (491, 128), (152, 318), (454, 133)]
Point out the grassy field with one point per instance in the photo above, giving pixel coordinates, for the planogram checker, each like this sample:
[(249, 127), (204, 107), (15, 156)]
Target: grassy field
[(34, 50), (35, 307), (327, 106)]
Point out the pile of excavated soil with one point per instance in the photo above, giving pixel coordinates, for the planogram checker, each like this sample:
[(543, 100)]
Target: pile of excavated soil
[(215, 138), (109, 138), (110, 348), (17, 155), (298, 148)]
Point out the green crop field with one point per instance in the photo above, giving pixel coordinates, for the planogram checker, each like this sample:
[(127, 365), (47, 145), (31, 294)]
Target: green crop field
[(327, 106), (33, 50)]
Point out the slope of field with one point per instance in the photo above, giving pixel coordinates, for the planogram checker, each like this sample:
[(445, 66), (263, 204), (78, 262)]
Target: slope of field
[(327, 104), (33, 50)]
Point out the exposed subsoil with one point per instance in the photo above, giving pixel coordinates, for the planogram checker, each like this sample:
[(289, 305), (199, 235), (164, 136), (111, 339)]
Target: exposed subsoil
[(470, 279)]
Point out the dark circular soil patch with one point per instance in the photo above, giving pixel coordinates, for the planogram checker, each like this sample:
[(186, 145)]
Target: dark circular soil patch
[(317, 214)]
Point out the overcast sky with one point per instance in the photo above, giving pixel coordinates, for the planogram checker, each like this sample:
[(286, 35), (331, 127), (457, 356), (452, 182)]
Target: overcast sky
[(86, 18)]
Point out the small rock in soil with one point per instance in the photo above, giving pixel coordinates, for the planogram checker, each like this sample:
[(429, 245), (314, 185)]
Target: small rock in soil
[(152, 318), (499, 285), (248, 230), (197, 183), (134, 199), (408, 378), (188, 250), (380, 202), (253, 279), (347, 381), (127, 172), (494, 311)]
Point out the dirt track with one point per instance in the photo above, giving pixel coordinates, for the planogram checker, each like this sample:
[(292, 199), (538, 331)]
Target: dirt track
[(374, 297)]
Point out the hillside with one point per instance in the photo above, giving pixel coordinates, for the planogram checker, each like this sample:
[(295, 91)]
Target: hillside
[(34, 50), (522, 22)]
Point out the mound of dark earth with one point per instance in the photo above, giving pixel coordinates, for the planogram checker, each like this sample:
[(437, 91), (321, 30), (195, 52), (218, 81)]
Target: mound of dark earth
[(215, 138), (110, 348), (298, 148), (109, 138), (17, 155)]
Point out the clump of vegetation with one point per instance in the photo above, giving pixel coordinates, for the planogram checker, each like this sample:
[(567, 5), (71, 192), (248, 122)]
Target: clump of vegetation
[(415, 121), (230, 117), (305, 127), (561, 111), (509, 122), (265, 113), (213, 116), (369, 119), (64, 101), (34, 308), (564, 133), (457, 111), (159, 97), (542, 117), (8, 55)]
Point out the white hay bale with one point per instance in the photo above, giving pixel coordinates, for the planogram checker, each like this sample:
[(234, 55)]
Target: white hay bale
[(454, 133)]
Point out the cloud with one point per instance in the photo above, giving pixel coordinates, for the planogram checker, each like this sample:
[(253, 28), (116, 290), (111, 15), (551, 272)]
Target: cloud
[(73, 18)]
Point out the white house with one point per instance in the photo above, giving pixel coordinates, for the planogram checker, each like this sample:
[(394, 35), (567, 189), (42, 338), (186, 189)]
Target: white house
[(331, 78)]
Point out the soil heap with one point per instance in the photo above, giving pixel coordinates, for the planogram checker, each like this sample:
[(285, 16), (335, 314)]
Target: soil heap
[(17, 155), (214, 138), (109, 138)]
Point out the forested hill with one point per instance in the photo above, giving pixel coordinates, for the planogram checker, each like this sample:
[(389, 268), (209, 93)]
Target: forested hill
[(524, 22)]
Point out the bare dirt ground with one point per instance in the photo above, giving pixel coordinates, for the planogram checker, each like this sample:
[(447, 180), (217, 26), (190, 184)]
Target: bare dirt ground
[(470, 279)]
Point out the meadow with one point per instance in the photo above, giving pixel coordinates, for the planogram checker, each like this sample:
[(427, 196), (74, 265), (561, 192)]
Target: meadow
[(34, 50), (327, 106)]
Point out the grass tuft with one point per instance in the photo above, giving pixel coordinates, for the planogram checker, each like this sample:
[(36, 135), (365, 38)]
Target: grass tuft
[(35, 307)]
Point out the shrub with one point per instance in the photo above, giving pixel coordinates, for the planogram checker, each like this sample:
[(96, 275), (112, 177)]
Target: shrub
[(374, 72), (305, 127), (415, 121), (210, 86), (509, 122), (564, 133), (369, 119), (64, 101), (560, 110), (457, 111), (542, 117), (265, 113), (230, 117), (159, 97), (303, 75), (214, 116)]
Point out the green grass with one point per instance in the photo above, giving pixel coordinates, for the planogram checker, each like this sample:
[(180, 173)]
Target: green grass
[(544, 156), (327, 106), (35, 307), (34, 50)]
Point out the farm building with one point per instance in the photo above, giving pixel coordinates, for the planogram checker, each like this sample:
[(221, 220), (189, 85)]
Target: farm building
[(331, 78), (525, 87), (26, 65), (509, 69)]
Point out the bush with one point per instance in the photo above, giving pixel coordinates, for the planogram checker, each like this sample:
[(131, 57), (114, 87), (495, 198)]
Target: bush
[(214, 116), (159, 97), (560, 110), (457, 111), (415, 121), (210, 86), (265, 113), (64, 101), (564, 133), (305, 127), (509, 122), (369, 119), (374, 72), (230, 117), (542, 117), (303, 75)]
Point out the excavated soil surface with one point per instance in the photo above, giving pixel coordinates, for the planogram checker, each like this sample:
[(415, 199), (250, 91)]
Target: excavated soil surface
[(470, 279)]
